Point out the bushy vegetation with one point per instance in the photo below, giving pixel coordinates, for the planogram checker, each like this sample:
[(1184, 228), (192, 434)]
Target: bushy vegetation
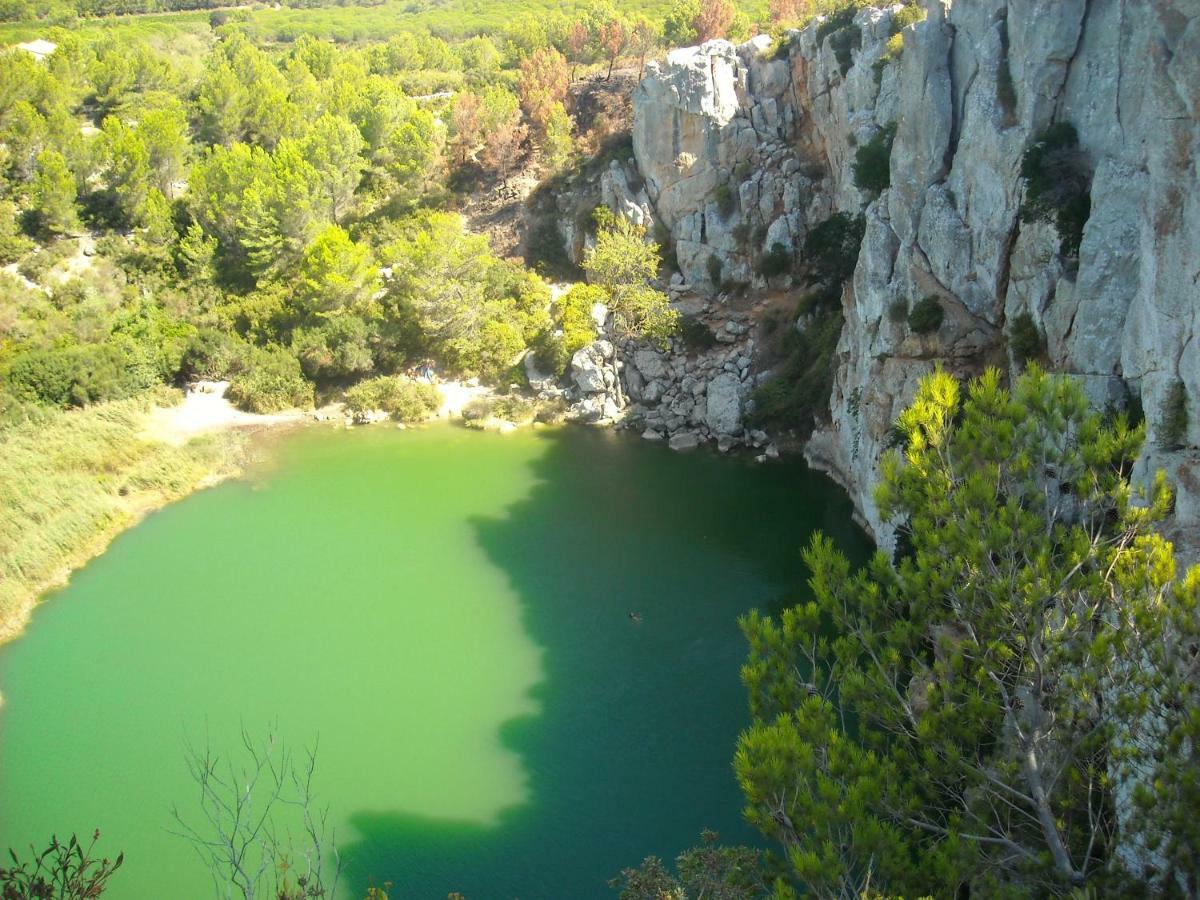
[(72, 376), (725, 199), (798, 393), (1025, 340), (708, 870), (1058, 184), (271, 381), (488, 413), (403, 399), (831, 249), (926, 315), (909, 14), (1173, 426), (929, 725), (697, 336), (776, 261), (575, 313), (715, 268), (873, 161), (623, 263)]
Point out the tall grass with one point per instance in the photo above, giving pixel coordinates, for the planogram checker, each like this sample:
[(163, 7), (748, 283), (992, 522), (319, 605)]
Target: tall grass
[(69, 484)]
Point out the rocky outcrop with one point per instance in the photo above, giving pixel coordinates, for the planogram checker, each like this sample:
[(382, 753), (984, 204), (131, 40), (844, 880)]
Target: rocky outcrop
[(686, 397), (713, 132), (743, 147)]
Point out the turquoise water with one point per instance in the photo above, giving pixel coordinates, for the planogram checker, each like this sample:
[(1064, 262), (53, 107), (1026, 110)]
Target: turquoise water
[(445, 613)]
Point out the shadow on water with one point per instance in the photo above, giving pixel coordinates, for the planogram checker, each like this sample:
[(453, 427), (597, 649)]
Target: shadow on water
[(630, 754)]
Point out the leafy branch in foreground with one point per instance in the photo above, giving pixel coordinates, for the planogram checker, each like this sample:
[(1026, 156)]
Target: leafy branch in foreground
[(994, 709), (710, 871), (248, 809), (61, 871)]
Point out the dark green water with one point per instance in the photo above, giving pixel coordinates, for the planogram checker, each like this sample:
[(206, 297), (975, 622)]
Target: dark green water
[(447, 611)]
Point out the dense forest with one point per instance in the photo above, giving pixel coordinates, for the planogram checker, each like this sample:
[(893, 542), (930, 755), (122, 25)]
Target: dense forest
[(241, 222)]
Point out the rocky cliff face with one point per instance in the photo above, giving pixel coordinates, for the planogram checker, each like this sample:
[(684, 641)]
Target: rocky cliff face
[(744, 147)]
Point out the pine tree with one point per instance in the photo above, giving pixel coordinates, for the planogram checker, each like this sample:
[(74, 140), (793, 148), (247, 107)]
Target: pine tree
[(336, 273), (53, 193), (968, 715)]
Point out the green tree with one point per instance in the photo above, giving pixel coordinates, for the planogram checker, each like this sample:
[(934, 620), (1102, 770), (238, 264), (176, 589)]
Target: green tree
[(157, 220), (164, 133), (334, 148), (679, 27), (966, 715), (460, 302), (480, 56), (127, 168), (196, 254), (623, 263), (25, 134), (499, 120), (559, 145), (263, 208), (336, 273), (53, 192), (222, 103)]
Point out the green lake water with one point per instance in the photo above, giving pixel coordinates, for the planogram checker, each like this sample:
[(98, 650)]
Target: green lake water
[(447, 613)]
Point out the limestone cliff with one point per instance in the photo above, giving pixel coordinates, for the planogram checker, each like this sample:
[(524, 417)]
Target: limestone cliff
[(744, 147)]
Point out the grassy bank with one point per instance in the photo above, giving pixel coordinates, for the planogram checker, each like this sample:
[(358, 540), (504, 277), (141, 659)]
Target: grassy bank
[(70, 484)]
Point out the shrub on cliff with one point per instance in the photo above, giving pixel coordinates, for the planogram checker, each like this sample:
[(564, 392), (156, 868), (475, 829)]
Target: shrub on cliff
[(968, 716), (1025, 341), (573, 316), (926, 315), (831, 249), (1172, 429), (715, 267), (775, 261), (1058, 184), (725, 199), (908, 14), (873, 161), (799, 391), (623, 263)]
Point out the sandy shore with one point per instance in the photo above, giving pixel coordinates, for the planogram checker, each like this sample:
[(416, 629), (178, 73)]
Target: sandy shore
[(456, 395), (205, 409)]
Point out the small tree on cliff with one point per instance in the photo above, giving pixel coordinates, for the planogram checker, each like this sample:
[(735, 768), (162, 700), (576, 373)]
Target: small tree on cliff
[(965, 716), (623, 262)]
